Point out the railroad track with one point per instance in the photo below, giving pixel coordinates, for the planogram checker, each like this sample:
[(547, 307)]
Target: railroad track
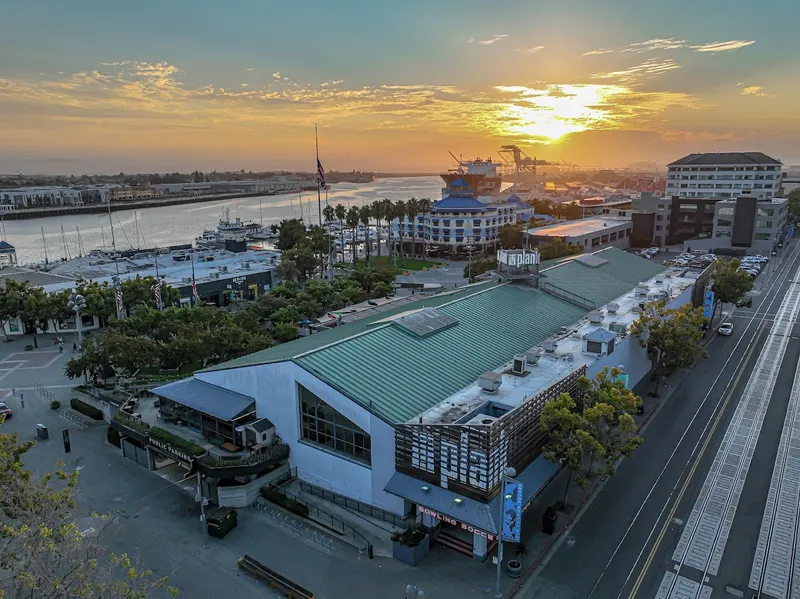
[(705, 535), (773, 570)]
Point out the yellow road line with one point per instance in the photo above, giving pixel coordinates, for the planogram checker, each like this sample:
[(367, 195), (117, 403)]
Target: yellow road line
[(709, 435)]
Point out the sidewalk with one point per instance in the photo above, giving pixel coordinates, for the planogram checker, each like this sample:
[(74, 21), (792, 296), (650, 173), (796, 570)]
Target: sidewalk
[(541, 546)]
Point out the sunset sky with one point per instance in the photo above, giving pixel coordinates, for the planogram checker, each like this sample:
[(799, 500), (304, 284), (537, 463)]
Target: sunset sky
[(99, 86)]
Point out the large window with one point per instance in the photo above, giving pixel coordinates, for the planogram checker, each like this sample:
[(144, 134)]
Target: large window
[(764, 224), (726, 211), (323, 425)]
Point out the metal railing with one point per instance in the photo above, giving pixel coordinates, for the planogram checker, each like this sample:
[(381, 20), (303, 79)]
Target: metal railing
[(324, 518), (361, 508), (572, 298)]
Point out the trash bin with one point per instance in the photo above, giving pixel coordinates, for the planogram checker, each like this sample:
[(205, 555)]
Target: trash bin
[(221, 521), (549, 520), (42, 432)]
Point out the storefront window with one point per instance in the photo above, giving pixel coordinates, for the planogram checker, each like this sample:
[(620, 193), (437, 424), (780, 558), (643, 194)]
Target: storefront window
[(323, 425)]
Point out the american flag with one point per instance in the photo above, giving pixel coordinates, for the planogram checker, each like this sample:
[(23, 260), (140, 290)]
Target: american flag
[(320, 175), (194, 284), (119, 300), (157, 293)]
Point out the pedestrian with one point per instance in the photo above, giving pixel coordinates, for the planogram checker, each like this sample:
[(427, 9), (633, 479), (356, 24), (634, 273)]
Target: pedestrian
[(61, 348), (74, 347)]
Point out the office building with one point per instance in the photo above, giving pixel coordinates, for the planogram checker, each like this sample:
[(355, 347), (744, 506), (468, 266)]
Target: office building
[(724, 175), (587, 233)]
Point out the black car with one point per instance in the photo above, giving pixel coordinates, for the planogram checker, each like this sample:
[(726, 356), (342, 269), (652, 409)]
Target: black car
[(5, 411)]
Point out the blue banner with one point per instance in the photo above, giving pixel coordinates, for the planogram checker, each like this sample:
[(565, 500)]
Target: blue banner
[(512, 510), (708, 304)]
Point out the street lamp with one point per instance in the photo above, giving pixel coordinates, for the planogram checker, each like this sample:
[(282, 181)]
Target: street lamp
[(509, 473), (77, 303)]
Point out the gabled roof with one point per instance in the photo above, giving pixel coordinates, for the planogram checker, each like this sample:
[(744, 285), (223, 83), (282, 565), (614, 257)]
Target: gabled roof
[(261, 425), (4, 245), (459, 183), (514, 198), (204, 397), (601, 284), (600, 335), (725, 158)]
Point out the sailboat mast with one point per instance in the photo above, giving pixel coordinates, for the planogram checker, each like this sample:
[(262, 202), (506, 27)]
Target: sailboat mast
[(44, 243), (64, 241), (3, 222), (80, 241), (260, 215), (136, 222)]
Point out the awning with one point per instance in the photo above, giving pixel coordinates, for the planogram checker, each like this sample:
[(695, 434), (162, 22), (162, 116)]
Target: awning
[(204, 397), (479, 515)]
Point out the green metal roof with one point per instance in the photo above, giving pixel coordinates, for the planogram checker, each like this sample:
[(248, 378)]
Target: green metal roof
[(287, 351), (398, 375), (602, 284)]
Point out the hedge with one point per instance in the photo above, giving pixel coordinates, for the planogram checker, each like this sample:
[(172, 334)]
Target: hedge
[(85, 408), (190, 447)]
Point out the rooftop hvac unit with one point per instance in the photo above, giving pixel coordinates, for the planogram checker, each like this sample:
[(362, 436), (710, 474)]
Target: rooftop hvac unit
[(642, 289), (246, 265), (223, 269), (617, 327), (549, 346), (490, 381), (568, 356), (659, 280), (532, 356), (612, 307), (596, 316), (564, 330), (186, 279), (518, 365), (215, 275), (637, 309)]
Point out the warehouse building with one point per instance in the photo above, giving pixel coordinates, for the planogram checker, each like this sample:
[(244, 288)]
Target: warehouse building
[(587, 233)]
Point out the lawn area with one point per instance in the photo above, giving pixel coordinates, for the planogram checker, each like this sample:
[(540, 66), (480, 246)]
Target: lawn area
[(402, 263)]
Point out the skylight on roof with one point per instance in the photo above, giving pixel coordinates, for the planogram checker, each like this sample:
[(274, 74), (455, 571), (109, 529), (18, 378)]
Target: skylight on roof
[(591, 260), (425, 322)]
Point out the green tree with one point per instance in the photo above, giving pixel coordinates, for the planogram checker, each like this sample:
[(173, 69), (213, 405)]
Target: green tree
[(424, 208), (42, 551), (352, 220), (55, 307), (480, 267), (569, 440), (140, 291), (285, 331), (287, 269), (364, 214), (400, 212), (291, 233), (34, 310), (100, 300), (558, 248), (378, 208), (341, 216), (510, 236), (288, 314), (730, 283), (794, 203), (673, 337), (382, 289), (412, 210), (12, 300)]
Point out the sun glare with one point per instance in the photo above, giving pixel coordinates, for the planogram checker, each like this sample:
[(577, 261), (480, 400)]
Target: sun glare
[(547, 114)]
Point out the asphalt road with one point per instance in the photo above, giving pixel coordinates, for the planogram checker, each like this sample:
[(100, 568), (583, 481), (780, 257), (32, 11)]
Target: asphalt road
[(626, 537)]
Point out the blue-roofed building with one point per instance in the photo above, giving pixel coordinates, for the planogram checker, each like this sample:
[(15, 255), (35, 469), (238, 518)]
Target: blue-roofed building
[(457, 221), (8, 254)]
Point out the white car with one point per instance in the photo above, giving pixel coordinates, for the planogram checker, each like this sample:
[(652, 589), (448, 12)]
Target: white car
[(726, 329)]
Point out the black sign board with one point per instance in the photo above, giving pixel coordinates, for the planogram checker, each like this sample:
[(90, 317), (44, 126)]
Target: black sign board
[(65, 436)]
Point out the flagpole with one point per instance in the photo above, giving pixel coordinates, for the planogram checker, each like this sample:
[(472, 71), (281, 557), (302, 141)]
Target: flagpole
[(319, 194), (158, 284), (195, 296)]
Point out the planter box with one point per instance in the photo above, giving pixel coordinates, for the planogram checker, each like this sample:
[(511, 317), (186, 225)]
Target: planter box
[(412, 555)]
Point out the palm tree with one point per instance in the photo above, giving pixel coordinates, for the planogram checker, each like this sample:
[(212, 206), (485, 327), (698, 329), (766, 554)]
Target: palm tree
[(329, 213), (424, 208), (399, 214), (378, 209), (388, 214), (412, 209), (365, 213), (341, 215), (353, 218)]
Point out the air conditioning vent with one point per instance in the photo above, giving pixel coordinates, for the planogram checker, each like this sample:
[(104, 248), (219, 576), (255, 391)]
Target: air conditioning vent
[(612, 307), (490, 381), (617, 327), (518, 365), (549, 346), (532, 356), (596, 316), (637, 309), (642, 289)]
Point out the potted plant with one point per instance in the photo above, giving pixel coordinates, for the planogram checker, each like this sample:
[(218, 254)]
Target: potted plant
[(514, 566), (55, 404), (410, 546)]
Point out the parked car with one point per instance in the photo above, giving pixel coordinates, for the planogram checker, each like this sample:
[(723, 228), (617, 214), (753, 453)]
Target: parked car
[(5, 411), (726, 329)]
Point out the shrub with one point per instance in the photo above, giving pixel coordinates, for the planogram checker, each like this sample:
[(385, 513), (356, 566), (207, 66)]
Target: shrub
[(28, 347), (275, 496), (409, 537), (85, 409), (190, 447), (55, 404)]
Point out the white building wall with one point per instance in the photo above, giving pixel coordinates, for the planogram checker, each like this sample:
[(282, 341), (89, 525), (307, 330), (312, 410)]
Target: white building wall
[(274, 387)]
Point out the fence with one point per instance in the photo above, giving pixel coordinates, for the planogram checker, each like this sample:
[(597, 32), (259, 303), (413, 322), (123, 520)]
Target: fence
[(322, 517), (293, 526), (361, 508), (568, 296)]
